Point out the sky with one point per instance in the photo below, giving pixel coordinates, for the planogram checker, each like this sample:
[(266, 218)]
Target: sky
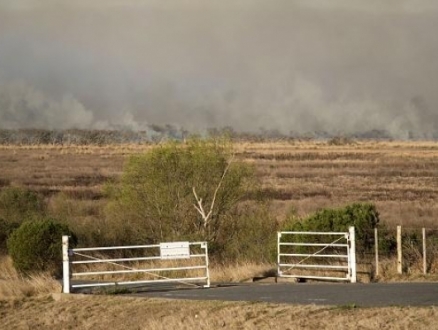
[(338, 66)]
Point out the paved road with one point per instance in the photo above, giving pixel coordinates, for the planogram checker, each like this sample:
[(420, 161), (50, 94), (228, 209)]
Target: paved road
[(376, 294)]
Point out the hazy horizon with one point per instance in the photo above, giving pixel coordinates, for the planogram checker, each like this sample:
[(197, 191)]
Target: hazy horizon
[(341, 66)]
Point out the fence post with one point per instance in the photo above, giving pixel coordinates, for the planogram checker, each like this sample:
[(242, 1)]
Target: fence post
[(376, 250), (424, 252), (353, 254), (65, 266), (399, 251)]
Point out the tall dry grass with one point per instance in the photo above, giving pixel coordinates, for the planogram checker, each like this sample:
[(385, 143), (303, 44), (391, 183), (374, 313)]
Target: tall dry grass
[(16, 286), (400, 177)]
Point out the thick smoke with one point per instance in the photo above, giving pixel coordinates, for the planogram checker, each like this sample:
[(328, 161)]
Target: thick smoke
[(341, 66)]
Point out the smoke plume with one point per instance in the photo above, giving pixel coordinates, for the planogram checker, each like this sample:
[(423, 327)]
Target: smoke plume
[(341, 66)]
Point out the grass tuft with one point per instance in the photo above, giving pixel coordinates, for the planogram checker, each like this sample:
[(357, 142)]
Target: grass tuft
[(15, 286)]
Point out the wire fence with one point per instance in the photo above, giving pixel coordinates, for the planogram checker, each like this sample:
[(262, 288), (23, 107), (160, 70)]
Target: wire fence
[(400, 250)]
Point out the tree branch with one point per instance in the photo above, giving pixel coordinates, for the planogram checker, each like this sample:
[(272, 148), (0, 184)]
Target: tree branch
[(199, 207)]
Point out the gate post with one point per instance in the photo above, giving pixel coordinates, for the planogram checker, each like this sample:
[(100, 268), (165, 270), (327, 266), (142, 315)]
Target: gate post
[(352, 254), (278, 255), (65, 266), (207, 271)]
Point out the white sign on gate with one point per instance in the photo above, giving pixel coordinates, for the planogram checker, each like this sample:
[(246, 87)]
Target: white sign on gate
[(175, 250)]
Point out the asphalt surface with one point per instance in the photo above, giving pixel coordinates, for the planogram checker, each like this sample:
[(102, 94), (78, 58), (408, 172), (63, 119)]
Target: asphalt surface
[(366, 295)]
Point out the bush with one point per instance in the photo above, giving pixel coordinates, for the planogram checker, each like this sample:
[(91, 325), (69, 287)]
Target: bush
[(18, 205), (6, 229), (251, 235), (156, 198), (37, 246), (363, 216)]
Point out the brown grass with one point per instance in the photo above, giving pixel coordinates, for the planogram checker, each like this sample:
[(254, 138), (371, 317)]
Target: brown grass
[(110, 312), (13, 286), (400, 177)]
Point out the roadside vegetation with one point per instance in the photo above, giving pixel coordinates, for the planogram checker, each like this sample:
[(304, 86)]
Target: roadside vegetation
[(234, 195)]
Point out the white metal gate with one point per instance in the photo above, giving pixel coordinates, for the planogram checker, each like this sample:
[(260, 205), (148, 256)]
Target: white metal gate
[(317, 255), (173, 262)]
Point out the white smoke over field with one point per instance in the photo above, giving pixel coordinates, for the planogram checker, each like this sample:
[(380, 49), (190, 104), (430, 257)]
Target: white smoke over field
[(341, 66), (20, 104)]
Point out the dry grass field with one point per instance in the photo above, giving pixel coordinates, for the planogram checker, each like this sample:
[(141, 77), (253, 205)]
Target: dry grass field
[(111, 312), (401, 178)]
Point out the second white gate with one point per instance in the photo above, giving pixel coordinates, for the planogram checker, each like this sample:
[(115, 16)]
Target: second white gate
[(317, 255)]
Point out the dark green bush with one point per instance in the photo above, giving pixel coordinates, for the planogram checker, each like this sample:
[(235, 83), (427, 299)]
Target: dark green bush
[(363, 216), (37, 246), (16, 206), (19, 204), (6, 229)]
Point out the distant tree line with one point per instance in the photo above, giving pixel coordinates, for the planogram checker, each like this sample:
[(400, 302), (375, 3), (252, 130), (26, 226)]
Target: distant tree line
[(158, 133), (89, 137)]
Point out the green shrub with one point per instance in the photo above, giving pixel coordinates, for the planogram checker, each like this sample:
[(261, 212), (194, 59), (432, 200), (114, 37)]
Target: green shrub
[(363, 216), (18, 205), (6, 229), (155, 200), (247, 236), (37, 246)]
